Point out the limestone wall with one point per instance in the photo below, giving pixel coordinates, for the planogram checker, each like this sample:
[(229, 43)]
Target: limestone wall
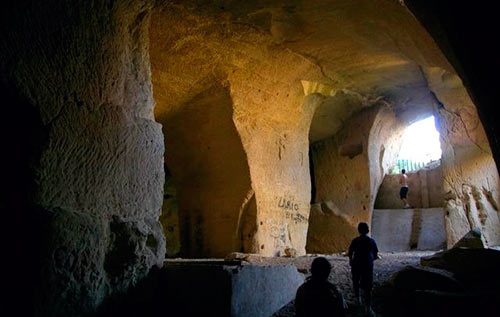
[(401, 230), (473, 204), (384, 143), (239, 160), (98, 183), (209, 173), (347, 172), (425, 189), (233, 89), (471, 180)]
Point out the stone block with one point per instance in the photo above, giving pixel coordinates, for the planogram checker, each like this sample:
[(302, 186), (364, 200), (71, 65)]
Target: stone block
[(228, 288)]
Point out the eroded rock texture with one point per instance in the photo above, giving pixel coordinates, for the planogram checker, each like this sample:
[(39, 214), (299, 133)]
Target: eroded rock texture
[(99, 172), (240, 156), (470, 178), (256, 109)]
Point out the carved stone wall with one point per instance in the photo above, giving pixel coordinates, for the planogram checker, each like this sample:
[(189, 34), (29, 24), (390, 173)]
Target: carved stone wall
[(241, 90), (209, 172), (99, 171), (347, 172), (425, 189), (471, 181), (251, 190)]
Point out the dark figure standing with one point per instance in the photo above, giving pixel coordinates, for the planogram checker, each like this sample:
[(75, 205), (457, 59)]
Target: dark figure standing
[(318, 297), (403, 191), (363, 251)]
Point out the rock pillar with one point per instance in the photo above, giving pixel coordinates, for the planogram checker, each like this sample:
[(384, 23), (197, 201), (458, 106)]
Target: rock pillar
[(94, 157)]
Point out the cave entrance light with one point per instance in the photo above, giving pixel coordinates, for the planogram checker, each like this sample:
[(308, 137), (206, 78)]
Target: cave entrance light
[(420, 146)]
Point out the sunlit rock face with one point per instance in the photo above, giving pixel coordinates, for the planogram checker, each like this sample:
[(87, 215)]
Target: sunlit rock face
[(250, 190), (265, 60), (282, 78)]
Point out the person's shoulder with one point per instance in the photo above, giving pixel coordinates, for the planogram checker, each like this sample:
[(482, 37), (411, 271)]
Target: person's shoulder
[(354, 242), (357, 238), (308, 284), (301, 290)]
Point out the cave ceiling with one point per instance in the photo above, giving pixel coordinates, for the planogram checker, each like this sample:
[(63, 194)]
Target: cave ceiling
[(353, 53)]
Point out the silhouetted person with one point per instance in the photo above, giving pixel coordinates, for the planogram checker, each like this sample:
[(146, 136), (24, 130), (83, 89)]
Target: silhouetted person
[(363, 251), (318, 297), (403, 191)]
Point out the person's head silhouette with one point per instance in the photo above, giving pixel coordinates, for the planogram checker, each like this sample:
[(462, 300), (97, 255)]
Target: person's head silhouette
[(363, 228), (320, 268)]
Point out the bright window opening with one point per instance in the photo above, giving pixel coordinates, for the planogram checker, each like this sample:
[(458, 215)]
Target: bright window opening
[(420, 146)]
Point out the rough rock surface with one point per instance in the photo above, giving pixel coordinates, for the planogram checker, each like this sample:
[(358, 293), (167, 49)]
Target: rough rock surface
[(236, 90), (97, 170), (261, 57)]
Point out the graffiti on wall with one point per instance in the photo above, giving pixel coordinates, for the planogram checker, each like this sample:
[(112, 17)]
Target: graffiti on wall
[(290, 207), (296, 217), (287, 203)]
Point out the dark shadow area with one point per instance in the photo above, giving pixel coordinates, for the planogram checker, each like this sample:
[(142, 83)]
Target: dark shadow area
[(392, 302), (143, 299), (205, 157), (22, 138), (173, 289)]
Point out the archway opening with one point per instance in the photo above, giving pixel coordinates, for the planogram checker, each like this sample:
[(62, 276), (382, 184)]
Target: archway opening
[(420, 146)]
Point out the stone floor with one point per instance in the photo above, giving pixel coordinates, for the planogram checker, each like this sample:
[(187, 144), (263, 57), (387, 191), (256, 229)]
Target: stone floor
[(388, 264)]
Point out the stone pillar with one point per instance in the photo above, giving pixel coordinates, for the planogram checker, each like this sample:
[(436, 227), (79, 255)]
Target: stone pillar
[(98, 166), (274, 132)]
